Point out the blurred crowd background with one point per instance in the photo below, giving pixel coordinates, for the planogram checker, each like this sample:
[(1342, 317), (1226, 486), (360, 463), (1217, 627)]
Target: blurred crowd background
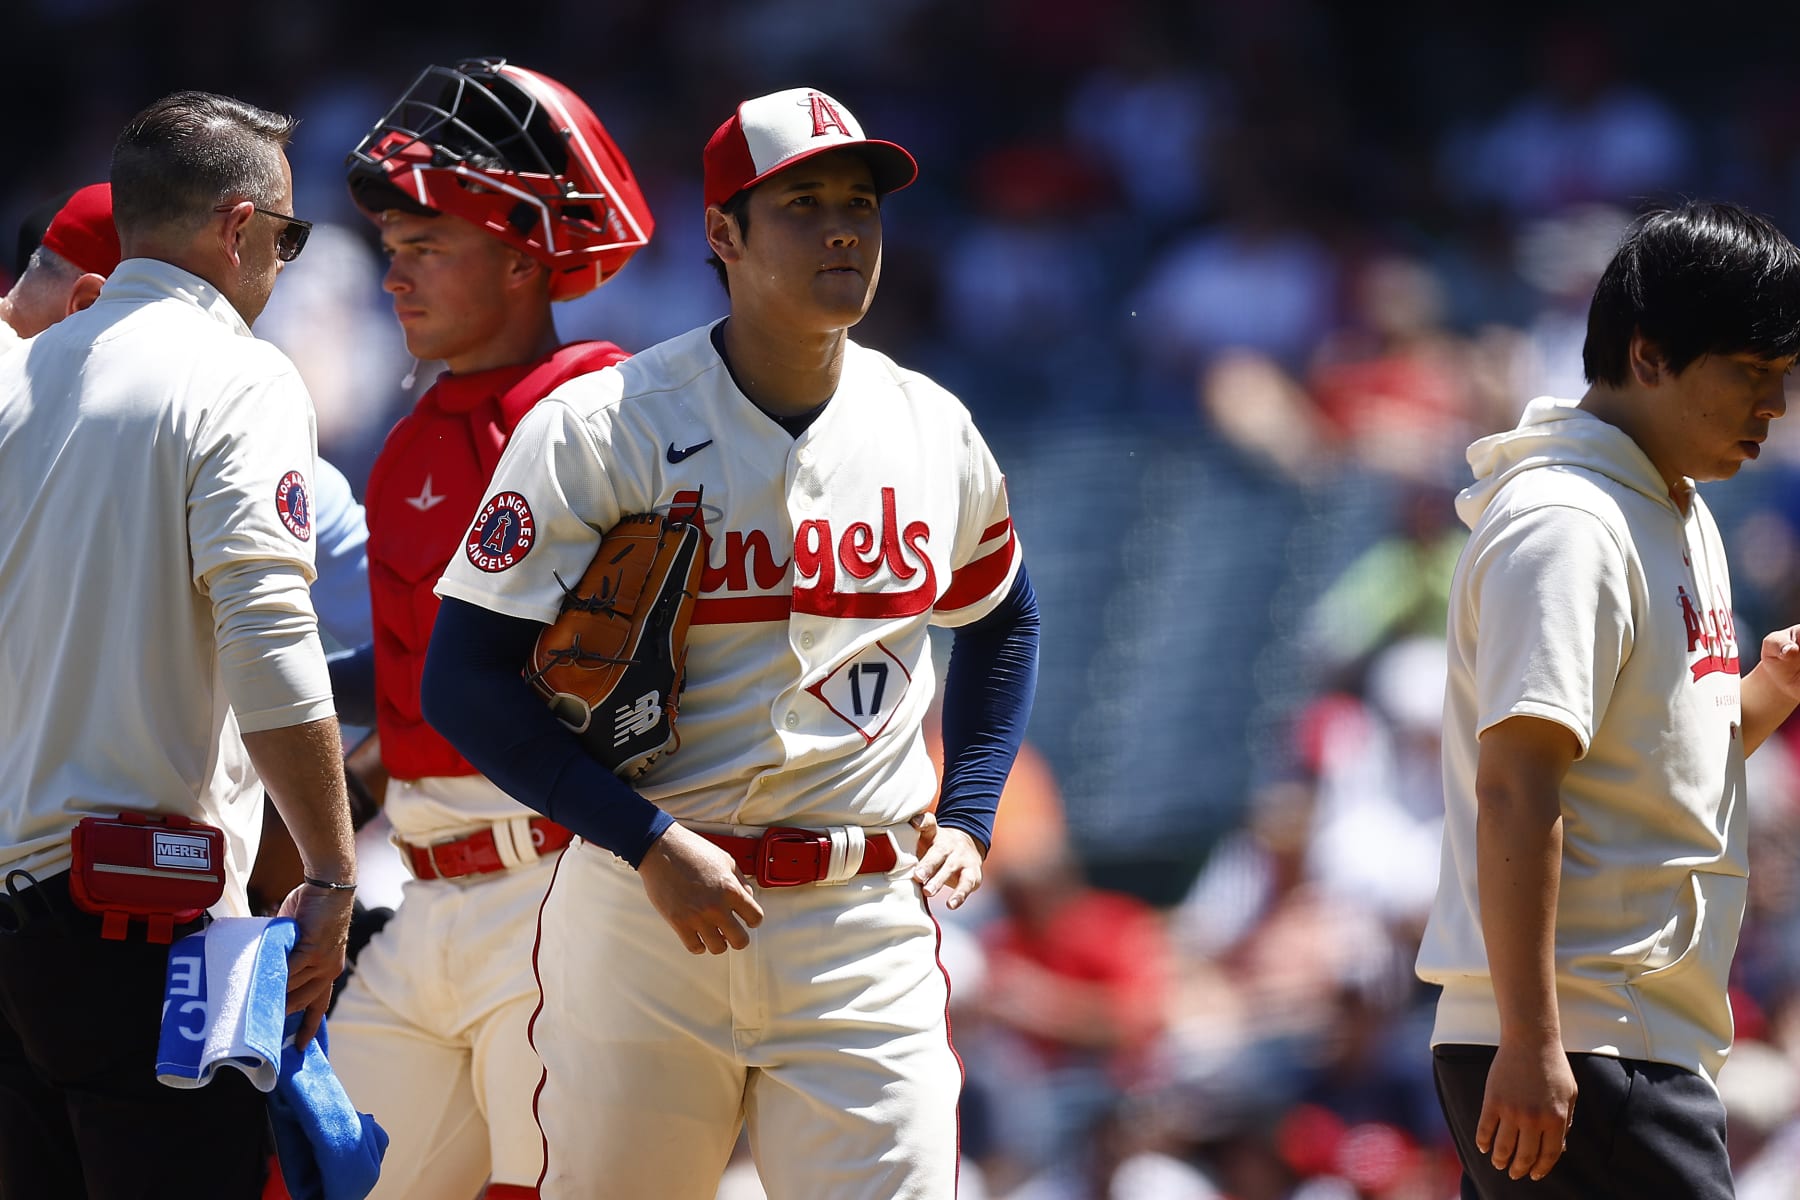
[(1229, 284)]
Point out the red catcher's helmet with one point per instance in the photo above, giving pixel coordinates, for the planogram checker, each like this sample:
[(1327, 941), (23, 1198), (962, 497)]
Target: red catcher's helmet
[(518, 154)]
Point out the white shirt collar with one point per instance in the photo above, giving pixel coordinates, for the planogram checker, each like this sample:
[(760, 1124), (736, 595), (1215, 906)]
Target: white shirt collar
[(143, 280)]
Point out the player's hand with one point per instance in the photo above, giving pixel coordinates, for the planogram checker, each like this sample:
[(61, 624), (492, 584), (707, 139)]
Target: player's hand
[(697, 889), (948, 858), (1527, 1107), (1781, 659), (317, 958)]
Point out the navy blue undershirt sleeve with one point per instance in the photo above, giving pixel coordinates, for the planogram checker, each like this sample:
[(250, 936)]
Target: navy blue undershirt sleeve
[(353, 684), (474, 694), (988, 689)]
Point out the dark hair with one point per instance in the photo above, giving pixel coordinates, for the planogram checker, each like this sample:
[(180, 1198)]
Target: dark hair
[(737, 208), (190, 151), (1703, 278)]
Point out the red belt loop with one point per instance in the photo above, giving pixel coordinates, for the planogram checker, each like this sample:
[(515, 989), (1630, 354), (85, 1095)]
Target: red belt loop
[(786, 856), (477, 854)]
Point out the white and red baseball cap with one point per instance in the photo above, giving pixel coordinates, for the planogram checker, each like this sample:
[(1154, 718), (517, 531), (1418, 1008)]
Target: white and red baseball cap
[(773, 132)]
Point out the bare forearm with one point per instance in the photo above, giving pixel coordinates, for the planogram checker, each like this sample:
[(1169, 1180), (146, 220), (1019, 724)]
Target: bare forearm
[(302, 767), (1518, 837), (1765, 707), (1530, 1091)]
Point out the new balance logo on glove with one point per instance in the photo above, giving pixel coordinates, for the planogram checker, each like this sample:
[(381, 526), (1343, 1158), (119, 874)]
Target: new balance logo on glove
[(636, 719)]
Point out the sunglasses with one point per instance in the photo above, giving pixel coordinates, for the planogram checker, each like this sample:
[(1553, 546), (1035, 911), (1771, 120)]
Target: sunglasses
[(292, 238)]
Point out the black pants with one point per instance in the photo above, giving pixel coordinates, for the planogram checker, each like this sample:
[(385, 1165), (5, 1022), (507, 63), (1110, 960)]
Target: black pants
[(82, 1115), (1641, 1130)]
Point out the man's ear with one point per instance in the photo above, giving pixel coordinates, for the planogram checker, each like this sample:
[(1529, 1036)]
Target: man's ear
[(1645, 360), (230, 226), (523, 269), (723, 235), (84, 293)]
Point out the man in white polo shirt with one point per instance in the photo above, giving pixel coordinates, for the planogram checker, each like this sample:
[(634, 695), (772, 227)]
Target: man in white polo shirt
[(161, 653), (1595, 729)]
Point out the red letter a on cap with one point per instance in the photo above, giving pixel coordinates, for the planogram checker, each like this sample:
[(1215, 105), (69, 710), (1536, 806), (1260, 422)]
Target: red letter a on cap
[(826, 117)]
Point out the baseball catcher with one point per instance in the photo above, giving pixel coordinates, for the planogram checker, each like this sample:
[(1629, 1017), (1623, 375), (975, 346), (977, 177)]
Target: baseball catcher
[(497, 191)]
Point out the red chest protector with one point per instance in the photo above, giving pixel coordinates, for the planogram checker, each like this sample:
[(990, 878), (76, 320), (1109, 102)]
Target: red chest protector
[(424, 488)]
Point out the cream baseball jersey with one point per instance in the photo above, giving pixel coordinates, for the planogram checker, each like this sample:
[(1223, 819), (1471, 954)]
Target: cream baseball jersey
[(828, 557)]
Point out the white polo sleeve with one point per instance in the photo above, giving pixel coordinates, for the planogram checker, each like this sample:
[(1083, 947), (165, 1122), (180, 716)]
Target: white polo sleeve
[(540, 521), (250, 472), (251, 536), (1554, 623), (986, 555)]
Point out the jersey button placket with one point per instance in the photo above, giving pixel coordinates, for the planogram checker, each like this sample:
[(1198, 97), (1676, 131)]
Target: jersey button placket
[(802, 485)]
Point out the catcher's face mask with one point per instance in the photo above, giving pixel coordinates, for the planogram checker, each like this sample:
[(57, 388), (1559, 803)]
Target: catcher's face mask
[(516, 153)]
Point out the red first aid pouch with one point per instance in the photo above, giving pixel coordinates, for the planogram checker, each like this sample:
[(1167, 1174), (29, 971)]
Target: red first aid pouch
[(161, 868)]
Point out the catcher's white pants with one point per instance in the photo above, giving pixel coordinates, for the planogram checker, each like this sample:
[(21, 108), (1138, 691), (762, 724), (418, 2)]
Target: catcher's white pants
[(827, 1035), (429, 1036)]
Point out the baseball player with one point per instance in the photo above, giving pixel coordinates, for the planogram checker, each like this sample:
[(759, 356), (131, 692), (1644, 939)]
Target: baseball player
[(745, 937), (497, 191), (159, 456), (1596, 722)]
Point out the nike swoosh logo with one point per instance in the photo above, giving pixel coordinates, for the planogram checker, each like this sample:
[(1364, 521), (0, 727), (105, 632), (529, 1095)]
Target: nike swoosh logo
[(425, 501), (676, 456)]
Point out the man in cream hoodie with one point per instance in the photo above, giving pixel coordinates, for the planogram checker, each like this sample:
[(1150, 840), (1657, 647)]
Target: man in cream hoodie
[(1595, 729)]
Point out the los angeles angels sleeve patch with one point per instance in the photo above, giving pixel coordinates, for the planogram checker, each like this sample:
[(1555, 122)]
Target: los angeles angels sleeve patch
[(503, 534), (294, 505)]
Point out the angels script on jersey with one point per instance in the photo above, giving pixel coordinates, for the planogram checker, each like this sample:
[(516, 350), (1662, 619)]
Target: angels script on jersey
[(822, 555), (1714, 632)]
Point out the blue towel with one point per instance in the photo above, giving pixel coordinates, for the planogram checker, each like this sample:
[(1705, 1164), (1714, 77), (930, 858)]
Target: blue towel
[(327, 1150), (225, 1004)]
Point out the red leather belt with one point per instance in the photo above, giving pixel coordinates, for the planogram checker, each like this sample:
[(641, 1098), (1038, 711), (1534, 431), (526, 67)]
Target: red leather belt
[(783, 856), (477, 854)]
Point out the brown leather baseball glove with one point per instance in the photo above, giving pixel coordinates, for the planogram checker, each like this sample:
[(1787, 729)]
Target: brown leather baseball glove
[(611, 664)]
